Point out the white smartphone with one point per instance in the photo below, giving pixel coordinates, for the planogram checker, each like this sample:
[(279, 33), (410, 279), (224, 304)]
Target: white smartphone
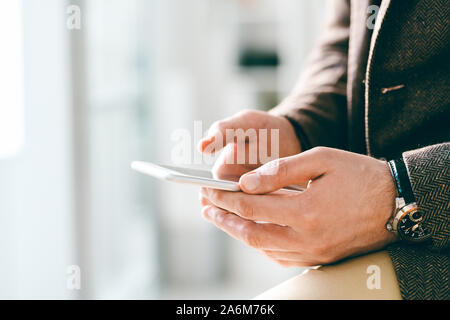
[(203, 178), (200, 177)]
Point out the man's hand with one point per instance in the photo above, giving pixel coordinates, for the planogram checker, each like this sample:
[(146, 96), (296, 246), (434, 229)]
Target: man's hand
[(342, 213), (227, 166)]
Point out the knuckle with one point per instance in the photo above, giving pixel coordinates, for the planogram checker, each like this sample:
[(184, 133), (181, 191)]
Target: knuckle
[(282, 168), (249, 236), (283, 263), (245, 209), (310, 221), (216, 196), (269, 254), (215, 125), (277, 169), (320, 151), (205, 211), (220, 217), (246, 113), (220, 126)]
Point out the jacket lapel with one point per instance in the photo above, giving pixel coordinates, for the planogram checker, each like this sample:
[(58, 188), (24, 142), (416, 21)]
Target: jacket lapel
[(357, 60), (385, 4)]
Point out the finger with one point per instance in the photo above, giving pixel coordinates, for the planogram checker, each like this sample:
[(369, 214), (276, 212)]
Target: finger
[(285, 255), (289, 258), (283, 172), (256, 235), (204, 201), (227, 167), (274, 208), (218, 137), (204, 142), (296, 264)]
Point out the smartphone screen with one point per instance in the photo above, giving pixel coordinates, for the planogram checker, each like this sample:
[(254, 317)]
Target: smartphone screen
[(191, 172), (203, 173)]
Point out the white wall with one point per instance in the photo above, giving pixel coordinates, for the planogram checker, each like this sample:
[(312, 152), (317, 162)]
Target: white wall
[(36, 238)]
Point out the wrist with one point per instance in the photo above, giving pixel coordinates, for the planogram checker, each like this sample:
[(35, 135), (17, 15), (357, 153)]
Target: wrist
[(406, 221), (390, 195)]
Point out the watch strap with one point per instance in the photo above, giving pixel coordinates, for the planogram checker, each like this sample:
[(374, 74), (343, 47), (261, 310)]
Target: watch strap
[(401, 179)]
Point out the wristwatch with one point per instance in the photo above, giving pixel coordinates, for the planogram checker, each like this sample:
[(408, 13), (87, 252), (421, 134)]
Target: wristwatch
[(407, 219)]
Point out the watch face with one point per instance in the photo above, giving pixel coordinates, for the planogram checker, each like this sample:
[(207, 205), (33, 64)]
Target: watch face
[(410, 227)]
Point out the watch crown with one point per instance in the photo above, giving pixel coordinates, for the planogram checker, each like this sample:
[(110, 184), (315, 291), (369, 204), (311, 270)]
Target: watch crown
[(389, 227)]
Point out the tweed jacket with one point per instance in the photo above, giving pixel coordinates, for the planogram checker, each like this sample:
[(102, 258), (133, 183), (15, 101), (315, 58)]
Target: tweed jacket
[(383, 89)]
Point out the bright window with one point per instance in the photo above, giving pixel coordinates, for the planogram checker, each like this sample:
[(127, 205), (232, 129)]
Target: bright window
[(11, 107)]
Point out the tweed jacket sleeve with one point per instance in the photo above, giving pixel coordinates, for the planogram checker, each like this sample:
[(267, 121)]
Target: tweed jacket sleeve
[(429, 171), (423, 272), (317, 106)]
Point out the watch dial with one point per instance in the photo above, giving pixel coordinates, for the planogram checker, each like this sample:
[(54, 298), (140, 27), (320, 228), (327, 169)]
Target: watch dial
[(411, 228)]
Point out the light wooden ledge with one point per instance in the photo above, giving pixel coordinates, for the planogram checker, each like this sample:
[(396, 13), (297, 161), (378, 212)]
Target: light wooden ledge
[(350, 279)]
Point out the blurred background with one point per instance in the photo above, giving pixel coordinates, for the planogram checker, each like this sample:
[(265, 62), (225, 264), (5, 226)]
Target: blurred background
[(77, 105)]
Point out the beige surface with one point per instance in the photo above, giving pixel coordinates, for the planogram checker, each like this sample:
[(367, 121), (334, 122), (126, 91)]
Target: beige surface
[(344, 280)]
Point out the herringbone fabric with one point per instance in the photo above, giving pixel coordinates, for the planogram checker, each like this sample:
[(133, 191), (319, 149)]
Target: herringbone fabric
[(429, 172), (421, 273), (411, 52), (424, 271)]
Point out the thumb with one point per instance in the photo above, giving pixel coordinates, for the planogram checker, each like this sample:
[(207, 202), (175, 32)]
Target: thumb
[(283, 172)]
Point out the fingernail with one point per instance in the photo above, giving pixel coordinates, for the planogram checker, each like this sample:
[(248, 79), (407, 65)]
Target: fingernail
[(251, 181), (201, 145)]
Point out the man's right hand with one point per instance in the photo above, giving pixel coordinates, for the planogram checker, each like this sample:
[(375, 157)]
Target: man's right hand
[(227, 166)]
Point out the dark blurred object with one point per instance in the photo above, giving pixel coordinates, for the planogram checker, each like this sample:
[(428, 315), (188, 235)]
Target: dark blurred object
[(251, 58)]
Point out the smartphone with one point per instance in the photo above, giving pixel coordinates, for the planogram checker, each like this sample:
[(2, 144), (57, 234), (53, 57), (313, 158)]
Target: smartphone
[(203, 178), (199, 177)]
